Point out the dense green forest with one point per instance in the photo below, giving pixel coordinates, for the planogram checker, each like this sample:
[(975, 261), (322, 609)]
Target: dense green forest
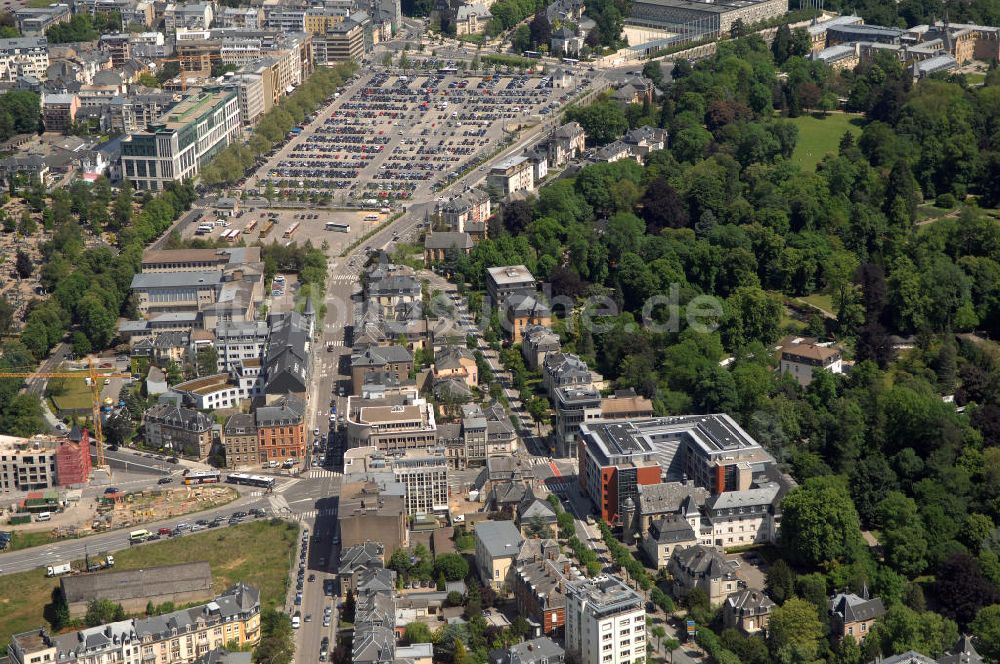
[(725, 213)]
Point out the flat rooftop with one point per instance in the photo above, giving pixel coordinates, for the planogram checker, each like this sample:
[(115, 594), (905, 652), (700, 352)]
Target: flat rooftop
[(203, 386), (510, 274)]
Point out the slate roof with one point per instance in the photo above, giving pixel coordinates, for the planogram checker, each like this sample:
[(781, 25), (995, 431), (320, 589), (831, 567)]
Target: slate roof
[(535, 651), (672, 529), (381, 356), (500, 539), (851, 608), (749, 602), (963, 652), (370, 554), (287, 361), (178, 417), (703, 561), (285, 412)]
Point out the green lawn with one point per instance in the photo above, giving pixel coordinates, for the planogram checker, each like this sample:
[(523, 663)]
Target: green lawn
[(259, 553), (27, 540), (37, 4), (69, 394), (824, 302), (820, 136)]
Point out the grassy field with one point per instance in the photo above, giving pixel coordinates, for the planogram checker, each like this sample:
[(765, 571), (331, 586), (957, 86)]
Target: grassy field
[(71, 393), (819, 136), (821, 300), (22, 540), (257, 553)]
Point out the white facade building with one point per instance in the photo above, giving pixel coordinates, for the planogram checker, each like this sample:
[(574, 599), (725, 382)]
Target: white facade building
[(24, 56), (605, 622)]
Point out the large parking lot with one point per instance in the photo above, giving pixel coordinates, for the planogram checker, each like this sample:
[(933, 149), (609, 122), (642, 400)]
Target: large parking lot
[(395, 135)]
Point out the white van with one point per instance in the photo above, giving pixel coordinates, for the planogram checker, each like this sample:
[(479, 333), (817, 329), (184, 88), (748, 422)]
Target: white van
[(43, 516), (295, 622)]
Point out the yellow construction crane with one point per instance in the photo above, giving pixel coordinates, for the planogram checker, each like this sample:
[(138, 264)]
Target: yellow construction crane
[(95, 389)]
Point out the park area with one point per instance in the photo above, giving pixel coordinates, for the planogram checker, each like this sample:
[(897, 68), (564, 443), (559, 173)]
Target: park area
[(820, 135), (257, 553)]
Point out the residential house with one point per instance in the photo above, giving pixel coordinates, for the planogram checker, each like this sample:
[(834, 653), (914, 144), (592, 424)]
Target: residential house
[(748, 610), (851, 615), (537, 341), (664, 535), (356, 559), (802, 360), (240, 441), (645, 140), (178, 637), (963, 652), (504, 282), (182, 430), (703, 567), (566, 42), (497, 545), (567, 142), (456, 362), (397, 361)]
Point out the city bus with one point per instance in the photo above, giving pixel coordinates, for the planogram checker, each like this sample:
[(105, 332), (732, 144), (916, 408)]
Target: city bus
[(249, 227), (250, 480), (202, 477), (532, 54), (340, 228), (448, 71), (139, 536), (571, 61), (291, 229), (204, 229), (371, 217)]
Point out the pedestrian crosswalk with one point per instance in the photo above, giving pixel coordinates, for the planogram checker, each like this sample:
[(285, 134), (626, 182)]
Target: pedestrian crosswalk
[(344, 278), (315, 473), (311, 514), (336, 343), (279, 488)]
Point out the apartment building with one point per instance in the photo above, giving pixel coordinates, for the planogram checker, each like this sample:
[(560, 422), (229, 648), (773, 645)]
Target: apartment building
[(193, 16), (539, 583), (24, 56), (373, 508), (244, 18), (135, 112), (605, 622), (423, 473), (575, 405), (236, 341), (173, 638), (395, 423), (567, 142), (512, 175), (240, 441), (341, 42), (27, 464), (182, 430), (504, 282), (181, 141), (59, 111), (281, 430), (523, 311)]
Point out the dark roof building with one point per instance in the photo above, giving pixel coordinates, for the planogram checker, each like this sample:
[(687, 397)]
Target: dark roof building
[(542, 650)]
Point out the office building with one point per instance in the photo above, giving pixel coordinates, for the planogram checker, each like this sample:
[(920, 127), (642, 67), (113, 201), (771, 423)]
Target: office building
[(704, 17), (391, 424), (184, 139), (605, 622), (612, 466), (423, 473), (34, 21)]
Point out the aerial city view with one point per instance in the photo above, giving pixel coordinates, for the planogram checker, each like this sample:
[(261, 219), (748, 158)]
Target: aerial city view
[(499, 331)]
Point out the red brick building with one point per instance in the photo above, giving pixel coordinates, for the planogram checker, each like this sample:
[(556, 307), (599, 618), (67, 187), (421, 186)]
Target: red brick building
[(73, 463)]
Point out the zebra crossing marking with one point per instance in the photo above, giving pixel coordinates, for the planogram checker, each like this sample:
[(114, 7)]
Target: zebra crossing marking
[(310, 514), (313, 474)]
